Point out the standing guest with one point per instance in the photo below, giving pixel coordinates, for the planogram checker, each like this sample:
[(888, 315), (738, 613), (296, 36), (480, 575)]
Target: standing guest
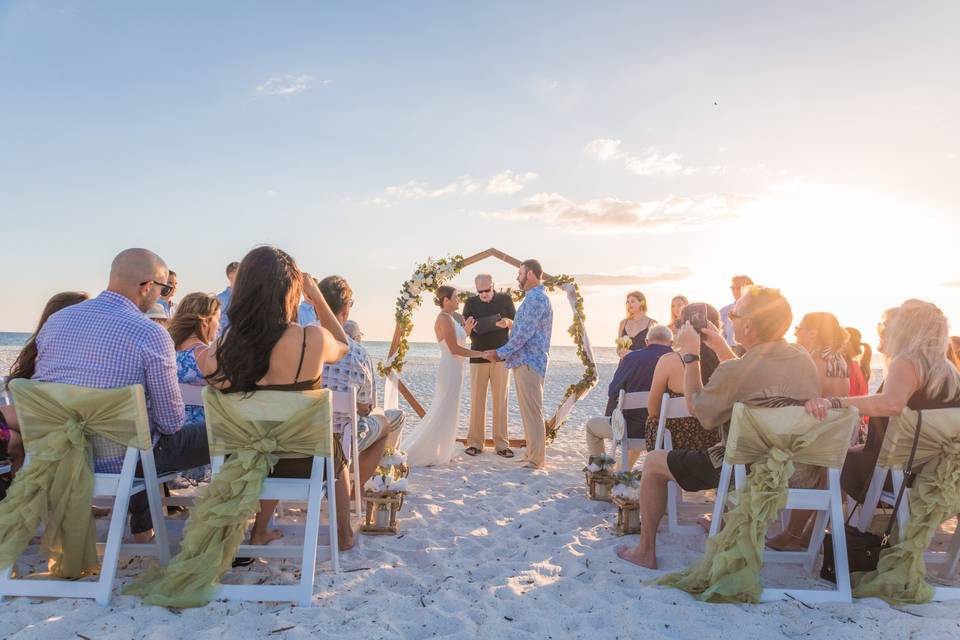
[(634, 373), (737, 285), (858, 354), (225, 295), (636, 324), (167, 301), (493, 314), (352, 329), (676, 308), (821, 335), (770, 373), (305, 314), (267, 350), (685, 433), (913, 340), (193, 329), (526, 354), (108, 342)]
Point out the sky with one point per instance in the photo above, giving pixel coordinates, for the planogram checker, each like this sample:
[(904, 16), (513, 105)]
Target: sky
[(661, 147)]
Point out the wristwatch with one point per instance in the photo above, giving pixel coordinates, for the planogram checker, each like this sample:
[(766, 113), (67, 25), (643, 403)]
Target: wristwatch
[(690, 358)]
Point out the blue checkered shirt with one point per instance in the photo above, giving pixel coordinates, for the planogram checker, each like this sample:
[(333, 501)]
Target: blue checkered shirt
[(529, 342), (106, 343), (354, 371)]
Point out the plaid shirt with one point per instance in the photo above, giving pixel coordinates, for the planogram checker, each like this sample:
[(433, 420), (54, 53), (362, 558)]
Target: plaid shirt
[(107, 343), (529, 342), (351, 371)]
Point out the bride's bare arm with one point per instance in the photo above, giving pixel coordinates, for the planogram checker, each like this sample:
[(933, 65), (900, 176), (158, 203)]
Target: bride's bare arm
[(448, 334)]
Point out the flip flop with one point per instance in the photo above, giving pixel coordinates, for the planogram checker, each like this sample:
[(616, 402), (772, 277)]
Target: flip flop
[(505, 453), (243, 562), (472, 451)]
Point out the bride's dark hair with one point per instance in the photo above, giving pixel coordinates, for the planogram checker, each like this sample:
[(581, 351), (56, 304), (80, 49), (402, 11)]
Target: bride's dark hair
[(444, 292)]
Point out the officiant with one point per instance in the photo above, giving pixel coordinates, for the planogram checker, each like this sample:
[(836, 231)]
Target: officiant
[(494, 313)]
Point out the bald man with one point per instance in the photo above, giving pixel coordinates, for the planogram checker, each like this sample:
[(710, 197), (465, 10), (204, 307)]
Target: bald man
[(108, 342)]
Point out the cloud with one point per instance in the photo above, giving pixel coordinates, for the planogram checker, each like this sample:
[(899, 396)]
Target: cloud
[(612, 215), (650, 162), (288, 85), (420, 190), (954, 284), (637, 278), (509, 182)]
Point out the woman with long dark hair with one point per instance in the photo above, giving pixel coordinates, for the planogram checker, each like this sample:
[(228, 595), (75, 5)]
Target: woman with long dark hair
[(26, 363), (265, 349)]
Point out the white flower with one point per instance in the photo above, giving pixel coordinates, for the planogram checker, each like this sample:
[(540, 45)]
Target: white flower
[(593, 467), (626, 492), (399, 484), (414, 290), (374, 484)]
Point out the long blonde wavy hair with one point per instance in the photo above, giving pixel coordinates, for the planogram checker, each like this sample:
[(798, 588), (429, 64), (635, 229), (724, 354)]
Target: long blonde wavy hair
[(920, 333)]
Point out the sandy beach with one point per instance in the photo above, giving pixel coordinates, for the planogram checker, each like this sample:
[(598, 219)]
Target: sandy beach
[(486, 550)]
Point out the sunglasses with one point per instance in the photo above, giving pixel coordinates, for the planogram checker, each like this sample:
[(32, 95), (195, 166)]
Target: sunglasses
[(481, 291), (733, 315), (165, 288)]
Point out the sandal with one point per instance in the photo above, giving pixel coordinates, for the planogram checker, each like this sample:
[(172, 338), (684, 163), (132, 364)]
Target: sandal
[(472, 451), (505, 453), (243, 562)]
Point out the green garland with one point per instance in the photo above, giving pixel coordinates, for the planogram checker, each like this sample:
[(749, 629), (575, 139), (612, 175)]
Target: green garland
[(434, 273)]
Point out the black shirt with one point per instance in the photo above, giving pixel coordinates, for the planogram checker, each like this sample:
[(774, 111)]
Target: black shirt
[(476, 308), (635, 373)]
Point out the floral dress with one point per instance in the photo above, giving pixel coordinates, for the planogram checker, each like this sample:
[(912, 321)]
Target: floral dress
[(188, 372), (685, 433)]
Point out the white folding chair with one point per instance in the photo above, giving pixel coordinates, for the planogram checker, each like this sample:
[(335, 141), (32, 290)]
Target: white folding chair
[(4, 394), (621, 439), (120, 487), (346, 402), (828, 503), (897, 439), (276, 406), (673, 408)]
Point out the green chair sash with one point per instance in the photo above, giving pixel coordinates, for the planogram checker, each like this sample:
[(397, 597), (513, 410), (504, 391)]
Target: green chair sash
[(773, 441), (900, 576), (255, 432), (56, 421)]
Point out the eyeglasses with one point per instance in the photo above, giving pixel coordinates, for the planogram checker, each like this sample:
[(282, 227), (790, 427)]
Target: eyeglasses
[(349, 302), (482, 291), (733, 315), (165, 288)]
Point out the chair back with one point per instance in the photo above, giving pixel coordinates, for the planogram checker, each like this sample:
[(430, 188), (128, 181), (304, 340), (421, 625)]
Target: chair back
[(116, 415), (289, 424), (938, 427), (192, 393), (634, 400), (756, 431)]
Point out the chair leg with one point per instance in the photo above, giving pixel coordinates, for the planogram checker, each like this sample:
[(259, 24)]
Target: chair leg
[(722, 490), (157, 510), (871, 500), (817, 538), (357, 499), (331, 491), (118, 521), (839, 538), (308, 564), (953, 554)]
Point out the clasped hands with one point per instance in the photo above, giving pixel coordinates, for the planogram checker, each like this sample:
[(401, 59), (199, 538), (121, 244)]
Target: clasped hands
[(491, 355)]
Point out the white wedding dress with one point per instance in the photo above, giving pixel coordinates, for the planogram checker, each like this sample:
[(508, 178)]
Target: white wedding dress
[(431, 442)]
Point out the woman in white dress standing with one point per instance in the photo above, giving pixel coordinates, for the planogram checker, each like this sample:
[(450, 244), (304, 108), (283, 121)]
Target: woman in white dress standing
[(431, 442)]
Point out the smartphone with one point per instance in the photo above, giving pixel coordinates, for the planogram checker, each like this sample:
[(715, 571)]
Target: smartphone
[(697, 314)]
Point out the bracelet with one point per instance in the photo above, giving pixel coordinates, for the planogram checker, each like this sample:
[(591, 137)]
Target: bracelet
[(835, 403)]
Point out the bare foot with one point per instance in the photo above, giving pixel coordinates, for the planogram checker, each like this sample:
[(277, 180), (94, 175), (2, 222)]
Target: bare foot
[(705, 522), (345, 542), (786, 541), (100, 512), (648, 561), (266, 537)]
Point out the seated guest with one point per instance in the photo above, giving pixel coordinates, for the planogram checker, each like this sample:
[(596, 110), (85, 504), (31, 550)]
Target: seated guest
[(352, 329), (265, 349), (770, 373), (634, 373), (676, 308), (193, 328), (107, 342), (24, 367), (636, 325), (225, 295), (913, 339), (821, 335), (167, 301), (685, 433), (158, 314)]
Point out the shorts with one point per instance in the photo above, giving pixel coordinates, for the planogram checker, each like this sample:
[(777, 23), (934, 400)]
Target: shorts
[(693, 469), (301, 467)]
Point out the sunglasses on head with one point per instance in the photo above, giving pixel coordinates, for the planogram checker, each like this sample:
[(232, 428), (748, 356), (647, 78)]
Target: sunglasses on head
[(165, 288)]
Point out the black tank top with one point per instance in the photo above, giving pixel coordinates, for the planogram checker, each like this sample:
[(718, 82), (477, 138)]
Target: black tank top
[(302, 385)]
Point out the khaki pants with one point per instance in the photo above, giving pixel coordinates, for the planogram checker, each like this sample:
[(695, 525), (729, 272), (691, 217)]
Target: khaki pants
[(598, 430), (530, 398), (495, 376)]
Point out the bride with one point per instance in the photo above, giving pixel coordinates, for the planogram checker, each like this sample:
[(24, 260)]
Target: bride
[(432, 440)]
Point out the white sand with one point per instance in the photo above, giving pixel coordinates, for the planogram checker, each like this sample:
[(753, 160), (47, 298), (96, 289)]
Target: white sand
[(487, 550)]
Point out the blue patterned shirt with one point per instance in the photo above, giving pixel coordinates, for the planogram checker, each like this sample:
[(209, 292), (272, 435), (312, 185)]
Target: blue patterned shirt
[(105, 343), (224, 298), (529, 342)]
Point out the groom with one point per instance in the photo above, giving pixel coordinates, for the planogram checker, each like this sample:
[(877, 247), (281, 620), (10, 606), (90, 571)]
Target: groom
[(526, 353), (493, 312)]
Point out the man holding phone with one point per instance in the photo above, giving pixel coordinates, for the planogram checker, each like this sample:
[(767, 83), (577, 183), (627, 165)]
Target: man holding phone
[(494, 313)]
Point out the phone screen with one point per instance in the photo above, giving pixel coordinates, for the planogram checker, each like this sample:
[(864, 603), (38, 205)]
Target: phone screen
[(698, 316)]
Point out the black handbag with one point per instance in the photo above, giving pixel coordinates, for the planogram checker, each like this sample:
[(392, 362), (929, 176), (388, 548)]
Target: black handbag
[(863, 547)]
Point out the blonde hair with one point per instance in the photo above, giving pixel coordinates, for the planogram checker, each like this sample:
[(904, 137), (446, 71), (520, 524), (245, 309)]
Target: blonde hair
[(920, 333), (188, 319), (769, 312)]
